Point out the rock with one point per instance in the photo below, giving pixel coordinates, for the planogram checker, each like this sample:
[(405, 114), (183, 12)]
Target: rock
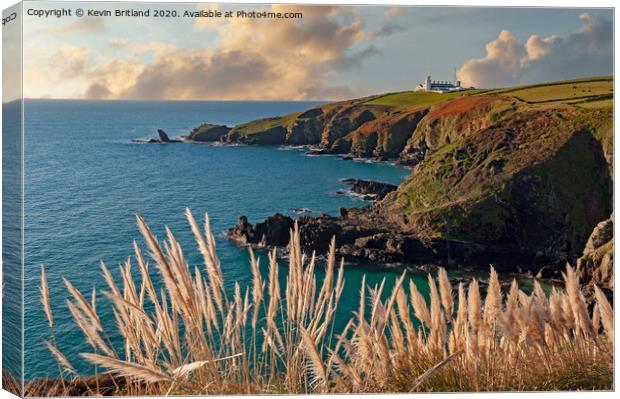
[(163, 139), (596, 265), (311, 113), (208, 132), (274, 231), (511, 187), (381, 138), (361, 235), (371, 190), (602, 234), (305, 131), (317, 151)]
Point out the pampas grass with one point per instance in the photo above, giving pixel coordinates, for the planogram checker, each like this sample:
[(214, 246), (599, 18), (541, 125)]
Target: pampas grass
[(193, 337)]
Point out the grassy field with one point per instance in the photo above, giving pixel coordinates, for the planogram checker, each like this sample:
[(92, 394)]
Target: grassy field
[(563, 92), (409, 99), (607, 103), (261, 125), (586, 93)]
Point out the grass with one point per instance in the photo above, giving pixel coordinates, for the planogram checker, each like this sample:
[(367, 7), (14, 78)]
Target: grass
[(262, 125), (608, 103), (409, 99), (562, 92), (192, 337)]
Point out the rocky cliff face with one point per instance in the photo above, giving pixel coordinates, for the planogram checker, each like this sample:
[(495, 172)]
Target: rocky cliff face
[(208, 132), (384, 137), (496, 178), (596, 265), (535, 184)]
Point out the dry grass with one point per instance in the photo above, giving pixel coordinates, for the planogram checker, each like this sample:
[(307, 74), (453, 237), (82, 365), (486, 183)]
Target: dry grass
[(193, 337)]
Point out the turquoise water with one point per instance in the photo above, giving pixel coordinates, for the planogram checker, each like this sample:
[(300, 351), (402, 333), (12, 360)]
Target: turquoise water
[(85, 181)]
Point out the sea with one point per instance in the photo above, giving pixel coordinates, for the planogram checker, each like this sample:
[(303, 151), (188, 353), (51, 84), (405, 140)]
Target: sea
[(85, 181)]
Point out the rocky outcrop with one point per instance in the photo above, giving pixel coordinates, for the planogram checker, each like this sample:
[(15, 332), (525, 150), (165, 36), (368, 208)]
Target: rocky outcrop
[(208, 133), (362, 235), (495, 179), (163, 139), (382, 138), (318, 126), (535, 184), (272, 135), (274, 231), (344, 122), (451, 121), (525, 191), (370, 190), (306, 129), (596, 265)]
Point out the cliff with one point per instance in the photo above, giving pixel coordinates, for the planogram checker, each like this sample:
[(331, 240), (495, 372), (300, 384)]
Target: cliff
[(513, 176)]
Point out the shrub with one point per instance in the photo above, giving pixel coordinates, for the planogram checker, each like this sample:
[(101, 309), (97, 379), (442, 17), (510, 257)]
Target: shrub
[(194, 338)]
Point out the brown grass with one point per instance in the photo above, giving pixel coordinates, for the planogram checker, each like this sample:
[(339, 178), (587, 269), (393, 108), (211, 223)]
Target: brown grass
[(200, 339)]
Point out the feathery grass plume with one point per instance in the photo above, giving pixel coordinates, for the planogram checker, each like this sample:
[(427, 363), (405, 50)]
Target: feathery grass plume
[(437, 327), (187, 369), (607, 313), (577, 301), (314, 359), (258, 287), (45, 298), (433, 370), (127, 369), (83, 304), (492, 302), (186, 333), (61, 359), (419, 304), (460, 324), (445, 290), (474, 305)]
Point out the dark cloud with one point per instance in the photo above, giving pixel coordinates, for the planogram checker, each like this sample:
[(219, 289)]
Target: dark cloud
[(97, 91)]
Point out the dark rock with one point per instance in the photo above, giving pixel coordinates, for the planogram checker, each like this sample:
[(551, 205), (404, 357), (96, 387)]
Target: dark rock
[(311, 113), (274, 231), (163, 139), (317, 151), (371, 190), (596, 265), (208, 132)]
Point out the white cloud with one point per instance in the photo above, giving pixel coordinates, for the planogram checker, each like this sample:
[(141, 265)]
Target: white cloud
[(252, 59), (509, 62)]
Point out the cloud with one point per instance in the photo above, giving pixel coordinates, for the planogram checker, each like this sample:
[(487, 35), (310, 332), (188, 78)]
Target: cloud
[(69, 62), (97, 91), (93, 24), (508, 62), (118, 42), (394, 12), (389, 29), (252, 59)]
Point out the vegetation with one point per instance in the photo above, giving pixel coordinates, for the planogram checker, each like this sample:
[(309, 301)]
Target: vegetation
[(261, 125), (194, 337), (564, 92), (409, 99)]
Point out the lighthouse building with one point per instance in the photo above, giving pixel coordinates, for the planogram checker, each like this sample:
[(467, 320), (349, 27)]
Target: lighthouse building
[(439, 86)]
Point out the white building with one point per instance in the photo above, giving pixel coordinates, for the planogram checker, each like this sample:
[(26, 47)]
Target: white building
[(439, 86)]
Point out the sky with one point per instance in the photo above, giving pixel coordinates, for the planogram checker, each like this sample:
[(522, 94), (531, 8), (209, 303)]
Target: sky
[(332, 53)]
